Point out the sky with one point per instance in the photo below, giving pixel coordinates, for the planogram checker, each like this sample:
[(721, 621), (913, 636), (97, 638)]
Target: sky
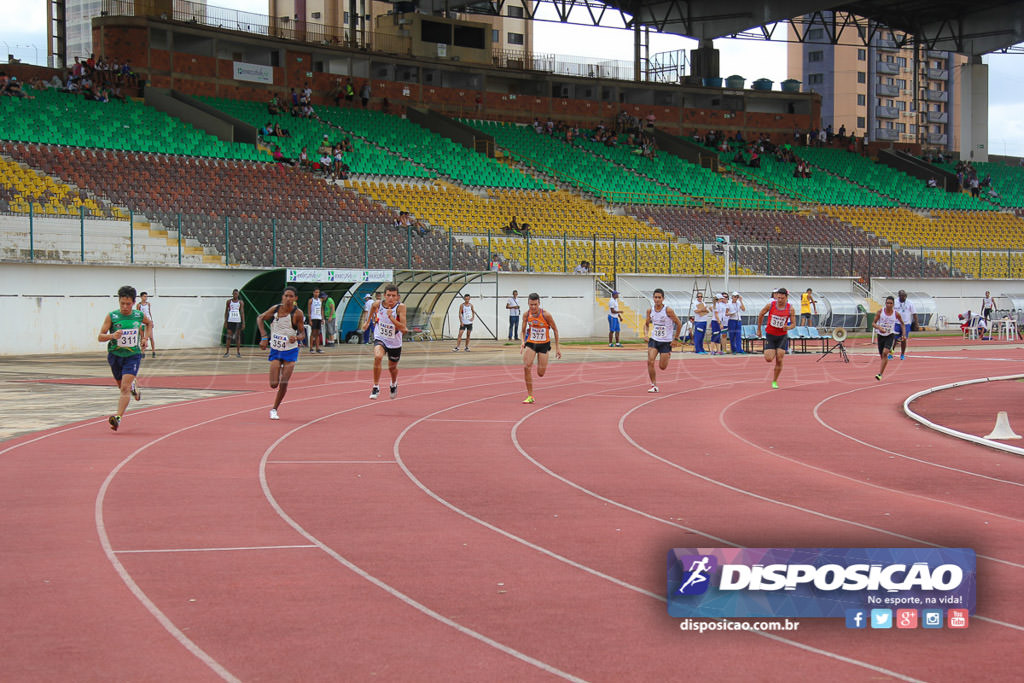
[(24, 35)]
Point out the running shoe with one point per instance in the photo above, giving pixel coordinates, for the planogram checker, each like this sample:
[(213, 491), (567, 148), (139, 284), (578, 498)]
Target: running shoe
[(136, 393), (273, 414), (611, 345), (115, 421), (529, 399), (902, 356), (653, 389), (775, 385), (879, 377), (394, 391), (154, 355), (617, 344), (467, 349), (455, 349), (890, 356), (226, 355), (239, 355), (374, 393), (319, 350)]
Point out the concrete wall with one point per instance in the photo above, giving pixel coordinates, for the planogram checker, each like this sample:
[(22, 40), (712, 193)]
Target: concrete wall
[(952, 297), (569, 298), (63, 306)]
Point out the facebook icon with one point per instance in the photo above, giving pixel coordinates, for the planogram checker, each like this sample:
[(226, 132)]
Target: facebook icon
[(856, 618)]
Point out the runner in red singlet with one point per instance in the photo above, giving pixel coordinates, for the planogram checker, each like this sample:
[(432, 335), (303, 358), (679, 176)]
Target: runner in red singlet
[(781, 320)]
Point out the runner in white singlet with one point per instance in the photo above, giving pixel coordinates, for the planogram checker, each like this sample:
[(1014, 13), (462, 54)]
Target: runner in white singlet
[(147, 310), (316, 322), (467, 314), (234, 323), (287, 327), (390, 322), (662, 323)]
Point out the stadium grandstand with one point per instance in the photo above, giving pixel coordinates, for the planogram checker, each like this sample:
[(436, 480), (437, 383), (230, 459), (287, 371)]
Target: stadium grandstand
[(211, 168)]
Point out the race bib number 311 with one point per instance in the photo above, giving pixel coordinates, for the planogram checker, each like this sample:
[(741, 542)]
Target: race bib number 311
[(128, 338)]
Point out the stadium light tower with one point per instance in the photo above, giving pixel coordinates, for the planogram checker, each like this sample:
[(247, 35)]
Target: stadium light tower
[(721, 246)]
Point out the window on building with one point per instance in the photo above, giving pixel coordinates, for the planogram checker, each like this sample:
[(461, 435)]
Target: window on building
[(345, 19), (815, 34), (889, 125), (890, 59), (890, 81), (888, 103), (515, 39), (860, 122), (815, 79), (515, 11), (816, 56), (913, 129), (862, 55), (902, 82), (861, 100), (901, 127), (495, 36), (901, 105), (862, 77), (902, 61)]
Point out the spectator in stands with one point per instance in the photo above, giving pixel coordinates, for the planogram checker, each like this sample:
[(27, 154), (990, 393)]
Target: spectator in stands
[(325, 146), (326, 163), (273, 106), (512, 227), (478, 102), (304, 158), (346, 145), (364, 93), (350, 92), (55, 82), (280, 158), (931, 183), (581, 269), (281, 132), (975, 186)]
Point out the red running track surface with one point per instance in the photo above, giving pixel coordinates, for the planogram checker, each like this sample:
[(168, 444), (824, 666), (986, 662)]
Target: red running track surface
[(456, 534)]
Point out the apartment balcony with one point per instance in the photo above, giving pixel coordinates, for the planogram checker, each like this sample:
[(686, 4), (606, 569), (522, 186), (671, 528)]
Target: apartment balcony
[(937, 117), (936, 95), (891, 68), (936, 54), (887, 134), (887, 90), (937, 138), (886, 44), (938, 74), (887, 112)]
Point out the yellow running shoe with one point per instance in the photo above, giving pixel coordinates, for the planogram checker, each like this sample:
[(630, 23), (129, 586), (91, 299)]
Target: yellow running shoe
[(529, 399)]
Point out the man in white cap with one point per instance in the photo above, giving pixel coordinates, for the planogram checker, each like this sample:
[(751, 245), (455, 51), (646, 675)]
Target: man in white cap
[(717, 323), (614, 318), (368, 330), (733, 309)]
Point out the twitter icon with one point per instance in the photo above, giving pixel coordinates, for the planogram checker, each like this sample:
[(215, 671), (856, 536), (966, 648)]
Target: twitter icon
[(881, 618)]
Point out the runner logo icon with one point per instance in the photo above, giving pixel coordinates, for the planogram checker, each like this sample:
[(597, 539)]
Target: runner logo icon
[(697, 576)]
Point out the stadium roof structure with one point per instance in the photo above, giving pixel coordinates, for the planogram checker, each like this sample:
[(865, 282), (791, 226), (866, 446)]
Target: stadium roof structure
[(974, 27)]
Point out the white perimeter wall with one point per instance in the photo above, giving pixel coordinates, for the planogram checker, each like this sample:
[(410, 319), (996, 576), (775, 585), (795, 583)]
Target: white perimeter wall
[(59, 308), (952, 297), (62, 306), (569, 298)]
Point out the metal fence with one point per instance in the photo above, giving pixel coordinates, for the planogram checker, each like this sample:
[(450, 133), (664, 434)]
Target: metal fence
[(271, 242)]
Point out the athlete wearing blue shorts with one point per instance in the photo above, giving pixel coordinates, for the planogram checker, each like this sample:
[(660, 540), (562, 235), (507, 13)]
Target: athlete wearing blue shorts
[(125, 332), (663, 324), (287, 328)]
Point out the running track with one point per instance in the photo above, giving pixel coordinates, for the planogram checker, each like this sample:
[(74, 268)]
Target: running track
[(457, 535)]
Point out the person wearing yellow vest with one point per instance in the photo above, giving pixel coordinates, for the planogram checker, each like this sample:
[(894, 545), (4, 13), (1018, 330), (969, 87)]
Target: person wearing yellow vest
[(807, 302), (124, 332)]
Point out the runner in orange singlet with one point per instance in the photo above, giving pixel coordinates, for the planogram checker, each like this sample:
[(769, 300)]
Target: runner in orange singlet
[(538, 328)]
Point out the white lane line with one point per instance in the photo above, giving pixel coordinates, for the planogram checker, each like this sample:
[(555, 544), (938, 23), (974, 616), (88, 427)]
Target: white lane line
[(391, 590), (824, 424), (330, 462), (209, 550), (437, 419), (591, 570)]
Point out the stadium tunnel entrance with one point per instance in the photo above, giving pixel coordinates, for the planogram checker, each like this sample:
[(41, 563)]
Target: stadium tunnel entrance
[(427, 295)]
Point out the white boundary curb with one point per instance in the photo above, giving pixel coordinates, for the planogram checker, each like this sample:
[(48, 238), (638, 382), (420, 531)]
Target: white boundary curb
[(952, 432)]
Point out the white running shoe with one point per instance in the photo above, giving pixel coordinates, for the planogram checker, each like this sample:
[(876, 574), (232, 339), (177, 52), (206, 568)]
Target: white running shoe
[(653, 389), (394, 391), (273, 414), (374, 393)]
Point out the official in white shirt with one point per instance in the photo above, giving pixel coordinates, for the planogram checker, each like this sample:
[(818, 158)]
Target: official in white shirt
[(513, 315)]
